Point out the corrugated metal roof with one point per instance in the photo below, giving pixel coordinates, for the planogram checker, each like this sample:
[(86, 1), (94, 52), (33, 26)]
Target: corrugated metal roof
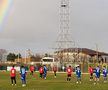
[(84, 50)]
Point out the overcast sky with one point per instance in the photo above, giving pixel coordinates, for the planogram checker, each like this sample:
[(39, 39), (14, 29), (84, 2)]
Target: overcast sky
[(34, 24)]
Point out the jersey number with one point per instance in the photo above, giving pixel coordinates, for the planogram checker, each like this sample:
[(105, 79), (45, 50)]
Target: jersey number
[(69, 70), (13, 71)]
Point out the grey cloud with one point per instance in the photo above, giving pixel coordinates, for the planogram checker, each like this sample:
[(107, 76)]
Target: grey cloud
[(35, 24)]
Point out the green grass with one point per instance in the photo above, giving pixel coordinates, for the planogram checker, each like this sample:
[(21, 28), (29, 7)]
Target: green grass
[(51, 83)]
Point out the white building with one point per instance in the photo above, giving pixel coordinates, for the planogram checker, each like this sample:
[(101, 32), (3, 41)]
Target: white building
[(49, 61)]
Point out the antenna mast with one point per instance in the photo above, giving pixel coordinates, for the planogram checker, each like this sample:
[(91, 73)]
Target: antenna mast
[(64, 41)]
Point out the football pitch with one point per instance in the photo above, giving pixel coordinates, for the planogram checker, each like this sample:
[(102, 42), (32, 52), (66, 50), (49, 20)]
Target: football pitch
[(51, 83)]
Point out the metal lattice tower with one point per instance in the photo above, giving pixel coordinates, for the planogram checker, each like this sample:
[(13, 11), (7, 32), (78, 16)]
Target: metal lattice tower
[(64, 40)]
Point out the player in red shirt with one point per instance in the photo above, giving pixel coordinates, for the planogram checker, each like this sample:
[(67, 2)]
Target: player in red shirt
[(32, 68), (41, 71), (91, 73), (55, 70), (13, 75), (69, 72)]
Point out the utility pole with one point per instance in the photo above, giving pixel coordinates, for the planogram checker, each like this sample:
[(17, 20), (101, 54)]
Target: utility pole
[(97, 54), (18, 58), (25, 57)]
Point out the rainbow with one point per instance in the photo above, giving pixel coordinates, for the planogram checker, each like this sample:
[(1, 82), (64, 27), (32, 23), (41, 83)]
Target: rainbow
[(5, 6)]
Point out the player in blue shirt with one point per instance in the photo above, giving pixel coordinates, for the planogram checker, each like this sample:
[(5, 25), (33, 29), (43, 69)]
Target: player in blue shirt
[(105, 74), (45, 72), (97, 74), (23, 75), (78, 74)]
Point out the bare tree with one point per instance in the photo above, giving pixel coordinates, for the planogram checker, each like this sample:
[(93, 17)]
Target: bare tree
[(36, 58), (3, 52)]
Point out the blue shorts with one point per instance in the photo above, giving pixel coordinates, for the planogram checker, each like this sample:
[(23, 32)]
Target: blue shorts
[(23, 77), (105, 75), (97, 76)]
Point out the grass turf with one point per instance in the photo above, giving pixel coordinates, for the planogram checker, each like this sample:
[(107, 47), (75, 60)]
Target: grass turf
[(51, 83)]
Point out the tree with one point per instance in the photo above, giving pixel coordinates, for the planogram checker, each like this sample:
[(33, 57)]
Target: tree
[(36, 58), (47, 55), (11, 57), (2, 53), (18, 56)]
